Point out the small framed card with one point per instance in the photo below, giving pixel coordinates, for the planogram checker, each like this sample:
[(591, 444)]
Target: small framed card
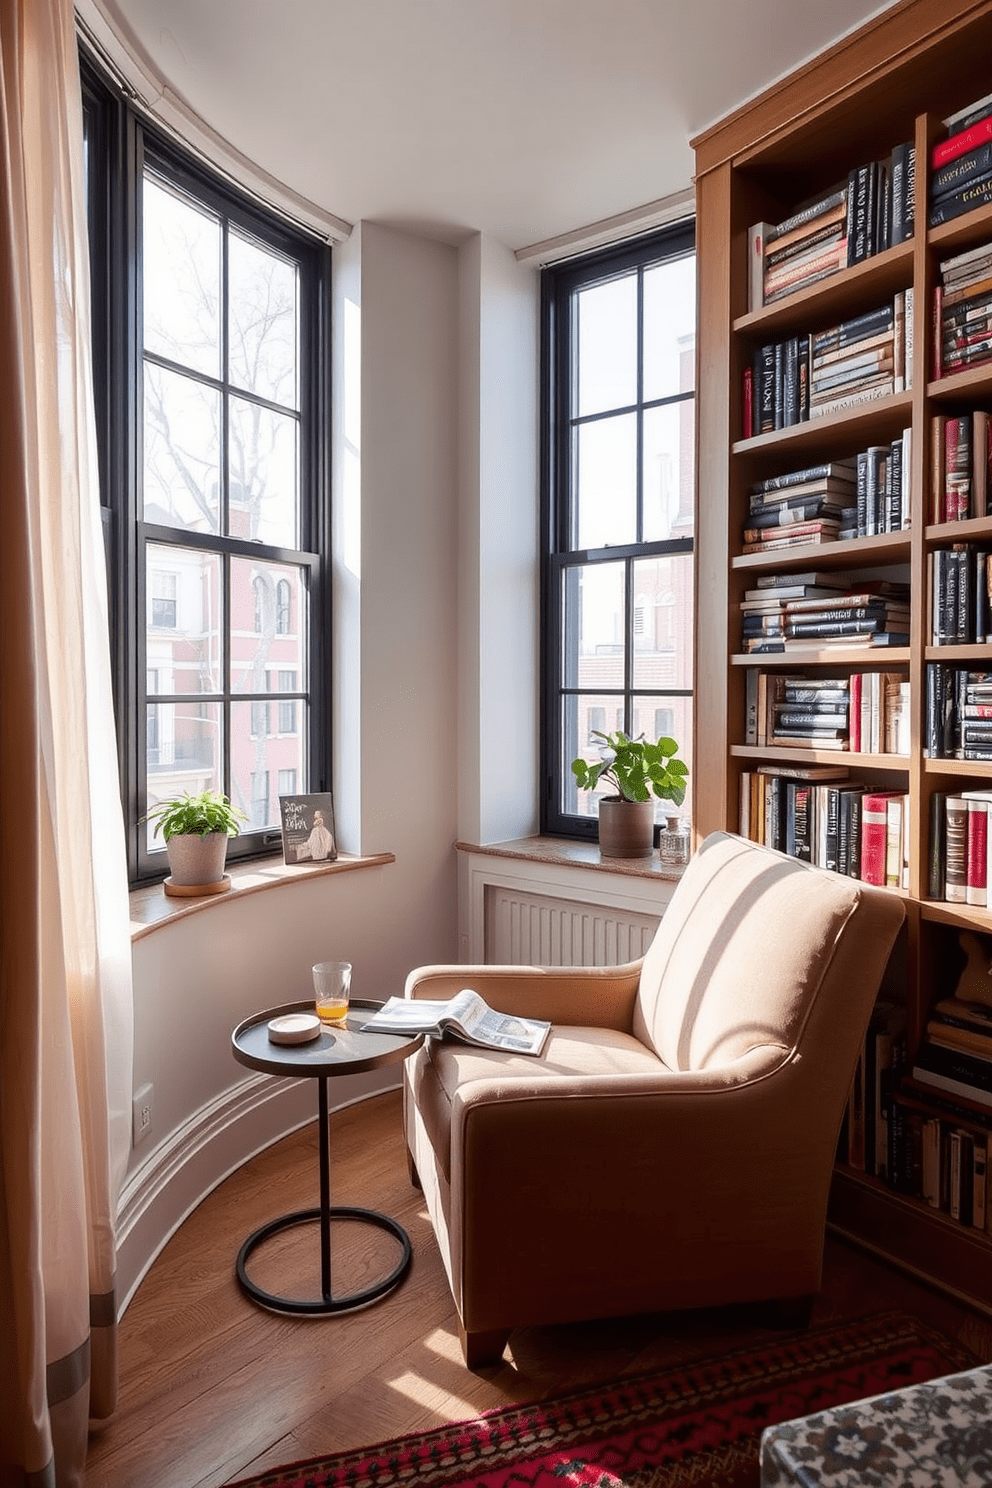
[(308, 828)]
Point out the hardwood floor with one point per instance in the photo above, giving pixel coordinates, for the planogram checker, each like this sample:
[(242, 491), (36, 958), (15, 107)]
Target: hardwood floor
[(213, 1387)]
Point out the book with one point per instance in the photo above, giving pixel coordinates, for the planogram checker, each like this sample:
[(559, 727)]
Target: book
[(842, 470), (960, 143), (956, 849), (874, 835), (819, 206), (981, 108), (757, 236), (466, 1016), (970, 1069), (976, 852)]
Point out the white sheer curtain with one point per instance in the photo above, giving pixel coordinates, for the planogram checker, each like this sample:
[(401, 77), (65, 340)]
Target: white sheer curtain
[(65, 993)]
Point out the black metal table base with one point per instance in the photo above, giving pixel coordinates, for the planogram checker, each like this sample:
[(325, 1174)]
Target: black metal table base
[(327, 1303), (323, 1216)]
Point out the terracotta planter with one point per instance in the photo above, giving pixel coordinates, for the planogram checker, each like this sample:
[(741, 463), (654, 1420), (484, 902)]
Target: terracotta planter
[(196, 860), (626, 828)]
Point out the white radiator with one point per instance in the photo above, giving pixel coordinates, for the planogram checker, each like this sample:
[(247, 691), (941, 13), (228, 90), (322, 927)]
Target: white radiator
[(523, 929)]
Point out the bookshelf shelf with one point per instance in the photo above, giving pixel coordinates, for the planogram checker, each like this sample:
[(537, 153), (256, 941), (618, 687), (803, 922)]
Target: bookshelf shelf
[(965, 916), (963, 232), (978, 653), (844, 294), (833, 433), (892, 82), (769, 754), (862, 657), (887, 547), (962, 531), (975, 382), (958, 767)]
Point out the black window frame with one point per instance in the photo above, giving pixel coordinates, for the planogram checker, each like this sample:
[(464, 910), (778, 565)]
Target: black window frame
[(120, 139), (559, 282)]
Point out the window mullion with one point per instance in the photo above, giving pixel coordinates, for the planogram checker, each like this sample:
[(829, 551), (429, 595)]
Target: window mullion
[(639, 456)]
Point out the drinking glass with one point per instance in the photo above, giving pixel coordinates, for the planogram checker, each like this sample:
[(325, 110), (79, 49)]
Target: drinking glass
[(332, 985)]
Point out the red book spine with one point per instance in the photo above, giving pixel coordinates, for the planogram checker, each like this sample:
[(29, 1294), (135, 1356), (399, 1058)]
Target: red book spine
[(976, 886), (854, 714), (960, 144), (874, 837)]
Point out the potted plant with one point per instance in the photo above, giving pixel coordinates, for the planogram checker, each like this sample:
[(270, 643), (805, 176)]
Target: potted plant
[(195, 829), (638, 771)]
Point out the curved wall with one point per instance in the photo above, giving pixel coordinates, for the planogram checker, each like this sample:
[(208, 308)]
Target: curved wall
[(395, 695)]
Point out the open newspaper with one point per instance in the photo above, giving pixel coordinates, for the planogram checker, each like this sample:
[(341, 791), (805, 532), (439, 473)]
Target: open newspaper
[(465, 1016)]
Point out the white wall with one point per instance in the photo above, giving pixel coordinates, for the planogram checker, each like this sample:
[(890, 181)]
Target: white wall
[(396, 700), (499, 613)]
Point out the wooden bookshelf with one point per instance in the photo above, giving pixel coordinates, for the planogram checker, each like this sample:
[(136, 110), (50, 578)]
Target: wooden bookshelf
[(893, 80)]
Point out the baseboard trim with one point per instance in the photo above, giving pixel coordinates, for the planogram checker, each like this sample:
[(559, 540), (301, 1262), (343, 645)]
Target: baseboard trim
[(207, 1148)]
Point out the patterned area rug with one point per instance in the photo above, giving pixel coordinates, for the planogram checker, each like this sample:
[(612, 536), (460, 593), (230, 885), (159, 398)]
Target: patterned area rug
[(697, 1425)]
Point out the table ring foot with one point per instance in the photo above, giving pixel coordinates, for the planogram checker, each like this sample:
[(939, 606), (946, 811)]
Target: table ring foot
[(328, 1303)]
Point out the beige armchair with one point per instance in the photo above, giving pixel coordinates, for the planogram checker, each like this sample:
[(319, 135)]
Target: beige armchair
[(673, 1145)]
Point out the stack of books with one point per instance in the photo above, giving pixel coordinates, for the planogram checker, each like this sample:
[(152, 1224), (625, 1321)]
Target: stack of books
[(867, 213), (956, 1054), (961, 165), (807, 376), (811, 505), (861, 359), (962, 311), (874, 613), (958, 699), (806, 712), (960, 605), (961, 459), (866, 712)]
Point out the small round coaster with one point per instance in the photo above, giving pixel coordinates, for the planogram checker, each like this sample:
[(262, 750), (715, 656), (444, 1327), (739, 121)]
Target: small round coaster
[(294, 1028)]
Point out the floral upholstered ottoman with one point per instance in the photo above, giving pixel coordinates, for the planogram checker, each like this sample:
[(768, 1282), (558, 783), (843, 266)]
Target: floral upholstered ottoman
[(936, 1433)]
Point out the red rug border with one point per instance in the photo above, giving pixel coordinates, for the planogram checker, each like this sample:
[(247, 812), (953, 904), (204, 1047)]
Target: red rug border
[(709, 1374)]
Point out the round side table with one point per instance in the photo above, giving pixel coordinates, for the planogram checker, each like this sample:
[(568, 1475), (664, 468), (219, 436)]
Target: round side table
[(343, 1050)]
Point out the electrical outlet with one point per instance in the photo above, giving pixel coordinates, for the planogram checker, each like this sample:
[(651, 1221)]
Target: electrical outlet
[(141, 1114)]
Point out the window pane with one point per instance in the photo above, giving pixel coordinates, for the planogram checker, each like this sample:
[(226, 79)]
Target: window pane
[(670, 328), (184, 608), (263, 351), (184, 752), (663, 600), (605, 482), (260, 762), (593, 626), (669, 471), (671, 716), (581, 715), (182, 452), (605, 346), (264, 474), (256, 642), (181, 279)]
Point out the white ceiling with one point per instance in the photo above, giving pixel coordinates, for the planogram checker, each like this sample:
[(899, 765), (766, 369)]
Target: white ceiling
[(522, 119)]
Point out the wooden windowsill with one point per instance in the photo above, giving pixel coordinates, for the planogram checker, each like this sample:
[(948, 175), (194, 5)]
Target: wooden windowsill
[(151, 907), (570, 853)]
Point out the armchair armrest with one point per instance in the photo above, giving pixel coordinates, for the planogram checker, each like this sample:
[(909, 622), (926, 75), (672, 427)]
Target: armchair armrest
[(583, 996)]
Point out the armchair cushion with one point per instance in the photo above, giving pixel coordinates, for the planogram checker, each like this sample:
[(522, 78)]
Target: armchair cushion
[(451, 1076), (700, 1003)]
